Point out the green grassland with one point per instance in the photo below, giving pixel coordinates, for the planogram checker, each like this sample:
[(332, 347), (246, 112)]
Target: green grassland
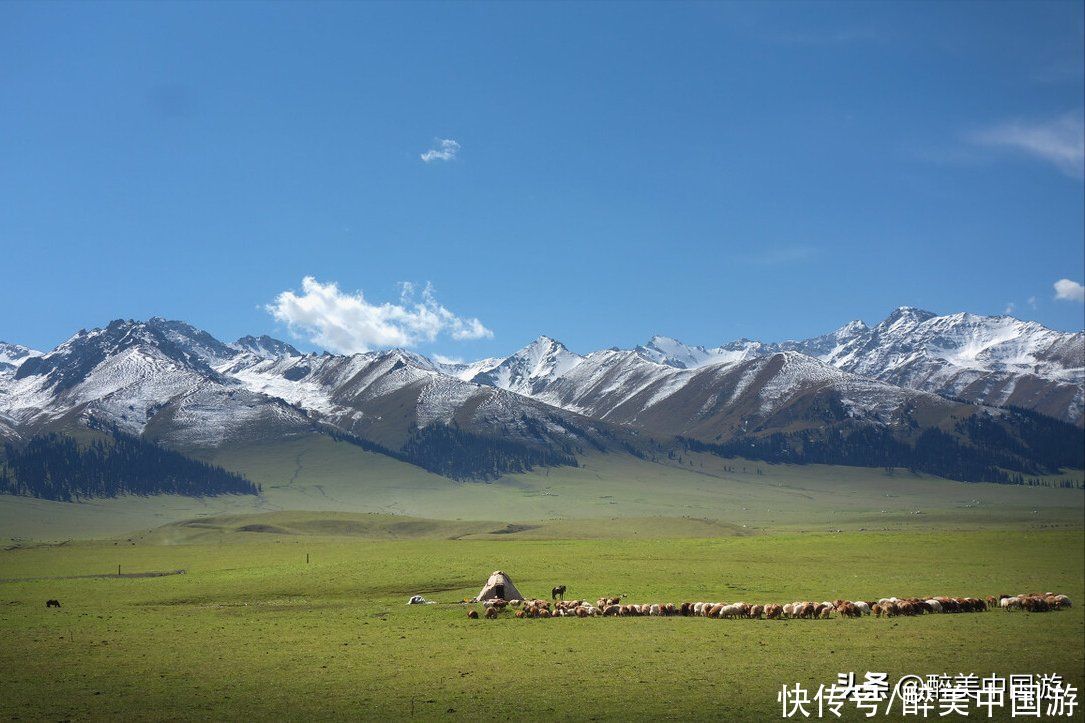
[(253, 631), (316, 473)]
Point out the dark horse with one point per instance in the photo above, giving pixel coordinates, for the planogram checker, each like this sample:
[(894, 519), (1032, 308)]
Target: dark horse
[(558, 592), (52, 603)]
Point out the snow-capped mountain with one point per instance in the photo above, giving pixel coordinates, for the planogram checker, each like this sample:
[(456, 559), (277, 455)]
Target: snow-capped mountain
[(904, 377), (149, 377), (743, 393), (782, 392), (12, 355), (993, 360), (264, 347), (173, 382), (665, 350), (530, 370), (382, 396), (466, 371)]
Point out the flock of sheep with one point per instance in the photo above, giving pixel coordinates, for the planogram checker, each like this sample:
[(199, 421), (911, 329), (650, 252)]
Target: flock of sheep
[(801, 610), (1034, 602)]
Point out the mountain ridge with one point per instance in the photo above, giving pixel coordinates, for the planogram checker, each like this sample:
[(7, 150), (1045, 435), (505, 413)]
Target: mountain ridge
[(912, 375)]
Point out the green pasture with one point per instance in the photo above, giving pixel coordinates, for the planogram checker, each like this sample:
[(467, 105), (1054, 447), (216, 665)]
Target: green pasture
[(319, 474), (252, 631)]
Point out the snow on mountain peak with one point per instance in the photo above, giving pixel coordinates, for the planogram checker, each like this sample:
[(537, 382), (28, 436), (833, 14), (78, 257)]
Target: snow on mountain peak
[(909, 315), (265, 347), (466, 371), (532, 368), (12, 355), (852, 327), (673, 353), (128, 371), (670, 351)]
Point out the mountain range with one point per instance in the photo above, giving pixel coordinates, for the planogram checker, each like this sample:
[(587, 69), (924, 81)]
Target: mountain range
[(964, 396)]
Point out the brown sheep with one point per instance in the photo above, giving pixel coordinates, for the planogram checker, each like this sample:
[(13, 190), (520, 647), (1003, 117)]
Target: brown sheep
[(847, 609), (1035, 604), (756, 611), (773, 611), (491, 613), (473, 614)]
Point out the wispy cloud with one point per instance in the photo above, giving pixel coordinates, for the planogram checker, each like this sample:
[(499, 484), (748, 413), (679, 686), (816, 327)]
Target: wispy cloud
[(1059, 141), (1067, 290), (1010, 308), (446, 150), (1032, 302), (348, 323), (442, 359)]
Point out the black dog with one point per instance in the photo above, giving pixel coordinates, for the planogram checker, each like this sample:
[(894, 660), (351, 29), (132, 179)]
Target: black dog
[(52, 603), (558, 592)]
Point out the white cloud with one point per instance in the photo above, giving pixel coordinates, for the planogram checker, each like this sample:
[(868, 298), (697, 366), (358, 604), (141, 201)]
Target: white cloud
[(1060, 141), (348, 323), (1068, 290), (446, 150), (1010, 306), (1032, 302)]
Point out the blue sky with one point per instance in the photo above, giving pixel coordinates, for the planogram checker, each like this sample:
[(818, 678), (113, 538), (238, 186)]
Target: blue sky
[(705, 171)]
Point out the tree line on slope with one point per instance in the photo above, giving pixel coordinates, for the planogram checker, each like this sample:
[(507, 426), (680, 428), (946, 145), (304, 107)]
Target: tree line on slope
[(455, 453), (56, 467), (981, 451)]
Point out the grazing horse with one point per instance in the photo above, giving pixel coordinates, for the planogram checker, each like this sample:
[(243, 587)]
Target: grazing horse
[(557, 592), (52, 603)]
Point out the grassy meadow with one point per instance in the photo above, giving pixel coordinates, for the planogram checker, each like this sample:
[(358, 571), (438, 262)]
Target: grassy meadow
[(316, 473), (252, 630)]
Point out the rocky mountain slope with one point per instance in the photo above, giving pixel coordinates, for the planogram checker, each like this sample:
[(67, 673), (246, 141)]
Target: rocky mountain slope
[(12, 355), (151, 378), (993, 360), (906, 392), (751, 394), (169, 381)]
